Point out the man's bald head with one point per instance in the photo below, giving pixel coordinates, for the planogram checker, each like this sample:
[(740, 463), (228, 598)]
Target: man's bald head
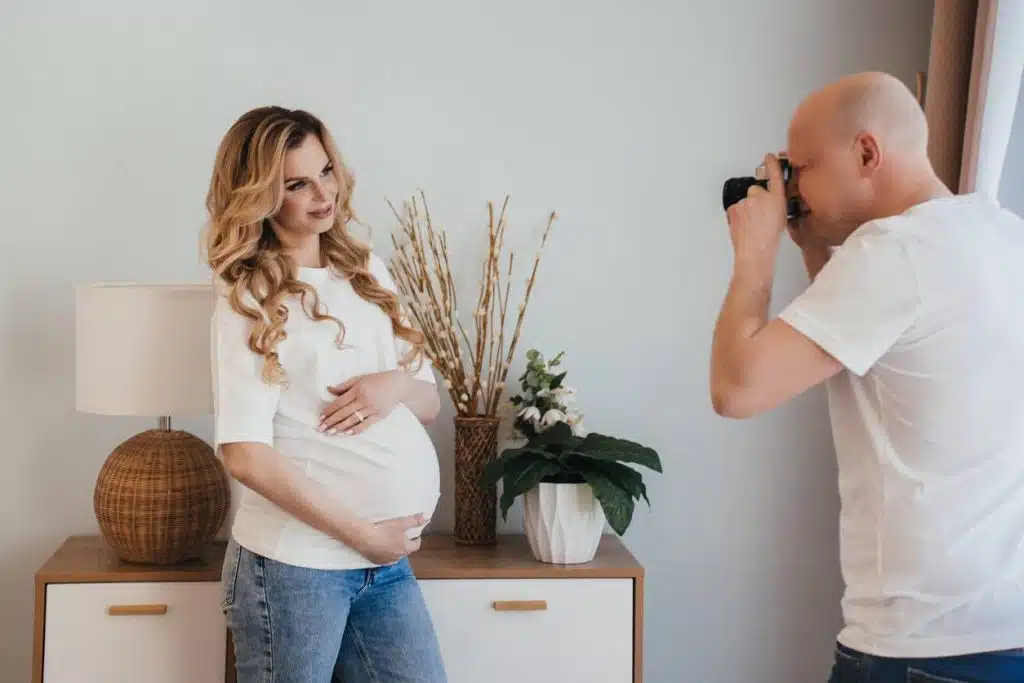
[(860, 149), (874, 103)]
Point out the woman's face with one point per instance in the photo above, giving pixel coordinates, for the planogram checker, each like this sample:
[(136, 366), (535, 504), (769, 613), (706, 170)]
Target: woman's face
[(310, 190)]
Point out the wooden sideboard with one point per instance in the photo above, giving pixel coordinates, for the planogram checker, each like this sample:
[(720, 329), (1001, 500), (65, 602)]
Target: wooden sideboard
[(500, 615)]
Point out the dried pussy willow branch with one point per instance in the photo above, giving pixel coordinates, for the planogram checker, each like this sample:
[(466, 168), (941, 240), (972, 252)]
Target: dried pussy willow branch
[(474, 369)]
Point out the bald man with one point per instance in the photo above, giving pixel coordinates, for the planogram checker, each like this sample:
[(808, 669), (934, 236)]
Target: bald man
[(914, 321)]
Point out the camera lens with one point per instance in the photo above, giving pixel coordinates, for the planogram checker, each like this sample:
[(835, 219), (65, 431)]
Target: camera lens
[(735, 189)]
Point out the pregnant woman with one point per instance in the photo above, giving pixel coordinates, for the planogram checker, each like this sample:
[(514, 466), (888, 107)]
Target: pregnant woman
[(321, 392)]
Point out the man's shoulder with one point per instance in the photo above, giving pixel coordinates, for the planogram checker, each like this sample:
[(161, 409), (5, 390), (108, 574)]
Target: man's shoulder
[(897, 229), (955, 216), (878, 241), (933, 227)]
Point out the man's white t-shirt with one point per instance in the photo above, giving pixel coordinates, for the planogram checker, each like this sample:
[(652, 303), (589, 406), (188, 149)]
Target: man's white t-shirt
[(389, 470), (926, 312)]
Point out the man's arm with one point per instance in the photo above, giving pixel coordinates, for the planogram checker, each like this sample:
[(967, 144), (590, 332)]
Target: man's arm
[(757, 365)]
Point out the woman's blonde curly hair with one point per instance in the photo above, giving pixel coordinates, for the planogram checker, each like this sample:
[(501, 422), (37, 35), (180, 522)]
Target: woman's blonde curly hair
[(246, 191)]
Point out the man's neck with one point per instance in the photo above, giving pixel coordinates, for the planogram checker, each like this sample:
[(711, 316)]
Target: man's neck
[(919, 188)]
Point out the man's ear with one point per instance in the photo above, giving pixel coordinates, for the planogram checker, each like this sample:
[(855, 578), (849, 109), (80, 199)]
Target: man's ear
[(869, 152)]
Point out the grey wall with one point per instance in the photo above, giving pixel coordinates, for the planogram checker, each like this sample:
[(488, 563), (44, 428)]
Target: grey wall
[(623, 117)]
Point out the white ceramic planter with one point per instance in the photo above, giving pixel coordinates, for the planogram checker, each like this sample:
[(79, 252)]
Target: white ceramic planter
[(563, 522)]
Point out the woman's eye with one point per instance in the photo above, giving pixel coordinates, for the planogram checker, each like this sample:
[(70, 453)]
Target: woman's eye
[(328, 170), (296, 186)]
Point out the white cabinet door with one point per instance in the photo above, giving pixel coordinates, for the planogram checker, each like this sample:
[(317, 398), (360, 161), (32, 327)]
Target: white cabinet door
[(534, 630), (131, 632)]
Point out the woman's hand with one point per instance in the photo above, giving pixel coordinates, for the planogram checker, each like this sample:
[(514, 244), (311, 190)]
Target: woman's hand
[(363, 401), (388, 541)]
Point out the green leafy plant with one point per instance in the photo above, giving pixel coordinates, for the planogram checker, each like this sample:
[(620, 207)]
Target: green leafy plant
[(553, 447)]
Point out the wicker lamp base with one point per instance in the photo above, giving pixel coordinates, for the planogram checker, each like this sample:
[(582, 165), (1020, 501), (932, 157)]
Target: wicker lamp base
[(160, 497)]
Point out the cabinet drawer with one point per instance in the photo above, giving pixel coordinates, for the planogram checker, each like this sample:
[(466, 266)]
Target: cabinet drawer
[(128, 632), (536, 630)]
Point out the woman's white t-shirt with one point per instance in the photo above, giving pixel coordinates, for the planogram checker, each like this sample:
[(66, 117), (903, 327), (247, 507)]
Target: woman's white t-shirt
[(389, 470)]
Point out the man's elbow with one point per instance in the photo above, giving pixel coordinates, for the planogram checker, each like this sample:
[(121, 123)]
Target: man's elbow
[(733, 402)]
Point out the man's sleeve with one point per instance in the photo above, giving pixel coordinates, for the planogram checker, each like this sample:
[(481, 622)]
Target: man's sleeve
[(424, 370), (861, 302), (244, 404)]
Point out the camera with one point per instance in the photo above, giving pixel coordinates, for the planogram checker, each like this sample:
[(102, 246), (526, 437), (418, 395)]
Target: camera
[(735, 189)]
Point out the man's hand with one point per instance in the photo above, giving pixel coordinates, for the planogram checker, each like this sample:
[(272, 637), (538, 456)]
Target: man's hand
[(388, 541), (756, 223), (362, 401)]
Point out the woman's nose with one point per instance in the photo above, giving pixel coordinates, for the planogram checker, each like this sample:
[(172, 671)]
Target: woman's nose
[(319, 191)]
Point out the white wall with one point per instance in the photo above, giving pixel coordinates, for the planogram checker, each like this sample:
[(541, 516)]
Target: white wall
[(623, 117)]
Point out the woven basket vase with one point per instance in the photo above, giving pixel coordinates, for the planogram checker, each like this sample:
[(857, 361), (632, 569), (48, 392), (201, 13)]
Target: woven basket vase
[(160, 497), (476, 506)]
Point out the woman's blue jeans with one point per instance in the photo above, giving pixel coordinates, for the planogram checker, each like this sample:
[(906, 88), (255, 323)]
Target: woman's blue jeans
[(297, 625)]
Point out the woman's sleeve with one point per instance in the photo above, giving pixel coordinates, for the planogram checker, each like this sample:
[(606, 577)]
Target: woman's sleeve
[(402, 347), (244, 404)]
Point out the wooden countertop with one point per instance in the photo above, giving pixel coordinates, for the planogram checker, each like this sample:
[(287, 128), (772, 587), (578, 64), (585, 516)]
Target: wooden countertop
[(84, 559)]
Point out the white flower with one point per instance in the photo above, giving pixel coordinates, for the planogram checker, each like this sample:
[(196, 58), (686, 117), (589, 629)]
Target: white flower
[(575, 421), (530, 414), (565, 395), (553, 416)]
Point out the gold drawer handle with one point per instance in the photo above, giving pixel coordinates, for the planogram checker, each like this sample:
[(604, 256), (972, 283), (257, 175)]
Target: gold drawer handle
[(520, 605), (136, 610)]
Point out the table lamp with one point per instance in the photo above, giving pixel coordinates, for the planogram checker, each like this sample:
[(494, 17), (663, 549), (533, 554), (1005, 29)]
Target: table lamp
[(144, 350)]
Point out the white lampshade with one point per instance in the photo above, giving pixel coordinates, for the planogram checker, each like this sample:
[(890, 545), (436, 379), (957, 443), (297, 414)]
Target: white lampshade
[(143, 349)]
